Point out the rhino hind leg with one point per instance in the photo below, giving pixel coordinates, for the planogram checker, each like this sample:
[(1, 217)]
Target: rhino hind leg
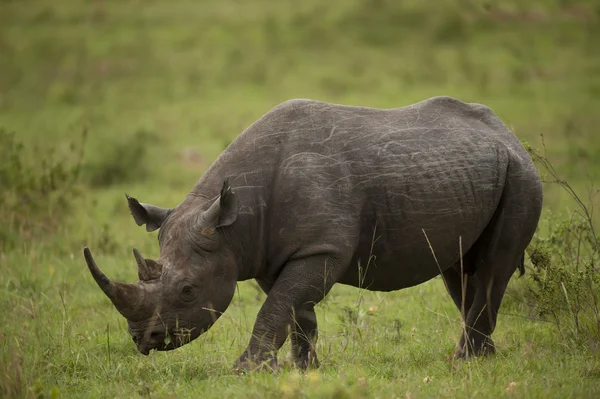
[(496, 256), (495, 259), (462, 291), (480, 322)]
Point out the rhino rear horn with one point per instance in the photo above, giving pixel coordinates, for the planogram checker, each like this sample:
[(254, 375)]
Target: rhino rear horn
[(127, 298), (152, 216), (147, 268)]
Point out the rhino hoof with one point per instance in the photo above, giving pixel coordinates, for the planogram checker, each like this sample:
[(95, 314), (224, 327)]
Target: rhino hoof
[(485, 348), (245, 364), (309, 361)]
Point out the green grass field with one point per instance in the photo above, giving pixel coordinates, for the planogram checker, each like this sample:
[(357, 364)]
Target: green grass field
[(141, 97)]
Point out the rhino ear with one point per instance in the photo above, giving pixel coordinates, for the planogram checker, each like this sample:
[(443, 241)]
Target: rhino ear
[(228, 206), (223, 212), (150, 215)]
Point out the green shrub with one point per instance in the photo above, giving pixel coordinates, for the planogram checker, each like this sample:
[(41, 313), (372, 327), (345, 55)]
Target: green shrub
[(566, 283), (121, 161), (564, 280), (37, 187)]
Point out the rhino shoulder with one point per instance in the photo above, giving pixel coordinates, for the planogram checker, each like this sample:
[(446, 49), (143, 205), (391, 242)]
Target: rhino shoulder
[(485, 114), (295, 102), (294, 105), (446, 104), (473, 112), (288, 110)]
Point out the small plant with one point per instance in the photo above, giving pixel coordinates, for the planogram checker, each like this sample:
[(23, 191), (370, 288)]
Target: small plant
[(36, 188), (565, 280), (11, 370), (123, 160)]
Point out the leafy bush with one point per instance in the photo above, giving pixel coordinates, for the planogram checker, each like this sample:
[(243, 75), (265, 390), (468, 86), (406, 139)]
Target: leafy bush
[(36, 188), (121, 161), (566, 278), (565, 283), (38, 185)]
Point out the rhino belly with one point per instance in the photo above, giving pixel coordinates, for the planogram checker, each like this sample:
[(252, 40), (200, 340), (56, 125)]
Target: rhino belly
[(401, 233), (406, 260)]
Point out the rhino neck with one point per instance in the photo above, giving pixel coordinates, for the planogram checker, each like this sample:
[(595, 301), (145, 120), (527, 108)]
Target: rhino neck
[(250, 164), (244, 239)]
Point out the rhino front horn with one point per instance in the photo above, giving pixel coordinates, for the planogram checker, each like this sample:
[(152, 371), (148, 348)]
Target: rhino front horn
[(127, 298)]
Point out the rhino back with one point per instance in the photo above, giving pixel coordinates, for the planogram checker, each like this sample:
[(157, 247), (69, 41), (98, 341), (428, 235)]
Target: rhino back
[(369, 182)]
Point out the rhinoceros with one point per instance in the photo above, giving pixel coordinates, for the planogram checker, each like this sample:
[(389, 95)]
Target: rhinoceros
[(314, 194)]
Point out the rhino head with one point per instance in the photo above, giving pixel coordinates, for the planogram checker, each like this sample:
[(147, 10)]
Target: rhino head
[(182, 293)]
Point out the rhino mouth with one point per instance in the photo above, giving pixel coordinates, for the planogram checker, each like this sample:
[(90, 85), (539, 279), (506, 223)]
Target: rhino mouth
[(181, 337), (172, 340), (166, 345)]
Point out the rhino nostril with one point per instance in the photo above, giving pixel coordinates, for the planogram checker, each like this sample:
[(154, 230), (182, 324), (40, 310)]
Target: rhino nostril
[(136, 338), (156, 336)]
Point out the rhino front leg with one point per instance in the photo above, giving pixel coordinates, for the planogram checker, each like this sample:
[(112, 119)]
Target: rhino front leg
[(289, 308), (304, 338), (303, 334)]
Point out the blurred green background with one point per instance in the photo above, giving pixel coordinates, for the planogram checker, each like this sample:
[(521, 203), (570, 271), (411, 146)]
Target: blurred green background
[(185, 77), (99, 98)]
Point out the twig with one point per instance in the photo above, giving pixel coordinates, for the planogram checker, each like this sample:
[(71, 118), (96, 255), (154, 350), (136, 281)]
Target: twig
[(108, 342), (567, 187)]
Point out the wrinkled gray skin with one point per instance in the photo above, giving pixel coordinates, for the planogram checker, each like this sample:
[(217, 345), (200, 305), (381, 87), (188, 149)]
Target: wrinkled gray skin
[(313, 194)]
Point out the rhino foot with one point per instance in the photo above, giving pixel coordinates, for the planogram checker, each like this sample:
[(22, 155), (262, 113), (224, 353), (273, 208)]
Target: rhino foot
[(465, 351), (307, 361), (247, 363)]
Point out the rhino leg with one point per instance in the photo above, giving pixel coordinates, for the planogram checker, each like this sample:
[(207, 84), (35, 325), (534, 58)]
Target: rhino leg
[(304, 333), (462, 292), (496, 256), (304, 337), (300, 286), (481, 319), (485, 290)]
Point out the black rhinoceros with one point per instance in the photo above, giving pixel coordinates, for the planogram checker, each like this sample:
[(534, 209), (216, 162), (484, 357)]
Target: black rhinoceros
[(310, 194)]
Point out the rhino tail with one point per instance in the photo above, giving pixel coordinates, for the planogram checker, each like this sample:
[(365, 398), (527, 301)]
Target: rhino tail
[(521, 265)]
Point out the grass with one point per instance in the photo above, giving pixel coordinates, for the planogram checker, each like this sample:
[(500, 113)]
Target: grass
[(69, 339), (162, 87)]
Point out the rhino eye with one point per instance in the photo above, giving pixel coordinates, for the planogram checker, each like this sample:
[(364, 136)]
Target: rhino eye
[(187, 293)]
